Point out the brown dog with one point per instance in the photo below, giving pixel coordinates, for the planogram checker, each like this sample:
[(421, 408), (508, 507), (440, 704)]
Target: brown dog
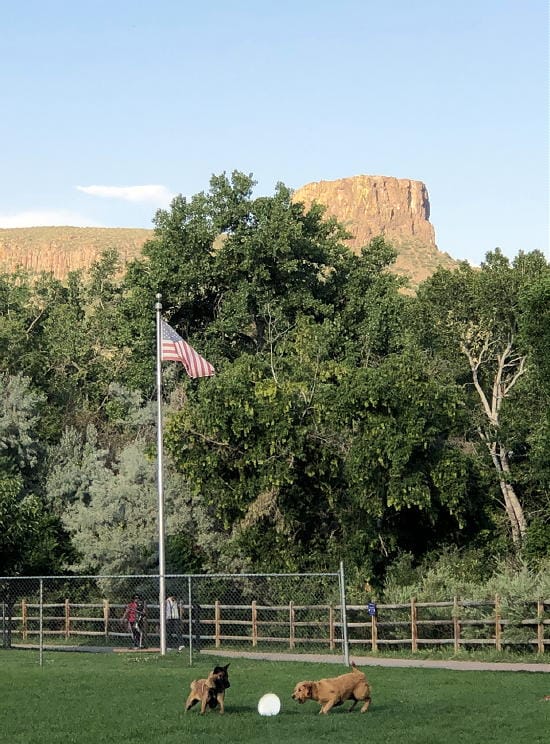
[(209, 692), (334, 691)]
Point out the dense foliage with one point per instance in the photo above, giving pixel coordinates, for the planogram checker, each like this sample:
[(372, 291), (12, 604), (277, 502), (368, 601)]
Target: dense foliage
[(347, 420)]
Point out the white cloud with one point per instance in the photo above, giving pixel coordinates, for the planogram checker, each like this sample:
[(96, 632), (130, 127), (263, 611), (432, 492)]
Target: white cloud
[(150, 193), (46, 218)]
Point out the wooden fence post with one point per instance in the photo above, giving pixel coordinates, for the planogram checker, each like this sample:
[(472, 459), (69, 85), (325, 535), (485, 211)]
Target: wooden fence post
[(67, 619), (106, 617), (374, 632), (217, 623), (414, 628), (292, 620), (540, 626), (498, 626), (254, 623), (24, 619), (456, 625), (331, 632)]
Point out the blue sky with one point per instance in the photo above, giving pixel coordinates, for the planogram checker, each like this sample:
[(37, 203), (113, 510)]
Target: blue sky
[(110, 107)]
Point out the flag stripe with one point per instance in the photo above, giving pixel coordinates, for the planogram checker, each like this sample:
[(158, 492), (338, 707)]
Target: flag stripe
[(175, 349)]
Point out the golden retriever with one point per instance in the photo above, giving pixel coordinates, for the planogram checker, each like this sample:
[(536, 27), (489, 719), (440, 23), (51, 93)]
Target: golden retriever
[(336, 690), (209, 692)]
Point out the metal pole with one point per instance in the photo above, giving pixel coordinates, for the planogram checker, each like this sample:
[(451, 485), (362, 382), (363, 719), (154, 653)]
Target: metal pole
[(190, 617), (41, 627), (162, 568), (344, 615)]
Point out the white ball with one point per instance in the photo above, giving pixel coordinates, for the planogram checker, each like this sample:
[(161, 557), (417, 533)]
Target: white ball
[(269, 704)]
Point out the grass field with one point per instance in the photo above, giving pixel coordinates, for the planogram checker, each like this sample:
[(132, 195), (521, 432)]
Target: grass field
[(97, 698)]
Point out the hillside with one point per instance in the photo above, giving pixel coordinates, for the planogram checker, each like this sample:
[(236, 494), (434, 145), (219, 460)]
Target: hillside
[(368, 206), (64, 249)]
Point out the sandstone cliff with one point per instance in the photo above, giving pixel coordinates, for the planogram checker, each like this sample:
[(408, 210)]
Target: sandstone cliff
[(397, 208), (368, 206), (63, 249)]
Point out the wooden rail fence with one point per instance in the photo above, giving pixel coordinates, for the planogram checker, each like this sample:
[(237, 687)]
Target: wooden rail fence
[(457, 623)]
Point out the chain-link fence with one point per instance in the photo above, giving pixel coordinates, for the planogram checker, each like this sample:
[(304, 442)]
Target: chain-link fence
[(261, 612), (292, 613)]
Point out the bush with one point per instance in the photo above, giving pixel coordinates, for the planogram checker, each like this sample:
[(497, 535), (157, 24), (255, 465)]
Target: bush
[(467, 574)]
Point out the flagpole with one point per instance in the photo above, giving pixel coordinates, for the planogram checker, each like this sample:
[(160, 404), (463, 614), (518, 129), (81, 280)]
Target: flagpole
[(162, 568)]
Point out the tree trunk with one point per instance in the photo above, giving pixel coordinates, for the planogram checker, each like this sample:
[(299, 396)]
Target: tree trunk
[(514, 510), (509, 367)]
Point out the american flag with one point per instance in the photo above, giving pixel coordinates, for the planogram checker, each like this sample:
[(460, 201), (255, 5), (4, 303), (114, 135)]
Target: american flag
[(174, 349)]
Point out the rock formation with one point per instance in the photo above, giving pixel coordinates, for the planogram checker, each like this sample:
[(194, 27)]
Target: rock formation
[(368, 206), (397, 208), (63, 249)]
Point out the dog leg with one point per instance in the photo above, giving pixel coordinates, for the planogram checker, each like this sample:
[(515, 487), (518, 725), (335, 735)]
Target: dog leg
[(326, 707), (221, 702), (365, 707), (352, 706)]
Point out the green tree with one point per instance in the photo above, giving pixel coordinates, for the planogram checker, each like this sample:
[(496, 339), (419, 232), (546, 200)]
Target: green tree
[(31, 538), (472, 318), (332, 438), (115, 527), (233, 271)]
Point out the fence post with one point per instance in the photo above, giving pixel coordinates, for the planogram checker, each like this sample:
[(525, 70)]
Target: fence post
[(373, 633), (344, 615), (414, 628), (24, 619), (456, 625), (106, 610), (67, 619), (7, 621), (331, 627), (498, 627), (254, 613), (217, 623), (41, 625), (292, 619), (540, 626), (190, 618)]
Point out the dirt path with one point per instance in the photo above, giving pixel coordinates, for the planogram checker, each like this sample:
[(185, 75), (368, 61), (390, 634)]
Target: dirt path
[(466, 666)]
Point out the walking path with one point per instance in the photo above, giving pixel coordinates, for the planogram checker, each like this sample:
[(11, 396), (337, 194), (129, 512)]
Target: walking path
[(466, 666)]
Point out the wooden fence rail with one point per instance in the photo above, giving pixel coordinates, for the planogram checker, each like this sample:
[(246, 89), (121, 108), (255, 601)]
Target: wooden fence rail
[(457, 623)]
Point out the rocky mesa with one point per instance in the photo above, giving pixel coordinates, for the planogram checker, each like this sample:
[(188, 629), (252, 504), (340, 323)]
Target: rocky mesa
[(396, 208)]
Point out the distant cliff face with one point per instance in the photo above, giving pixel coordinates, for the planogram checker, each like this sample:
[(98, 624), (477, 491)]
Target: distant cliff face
[(368, 206), (63, 249), (397, 208), (375, 205)]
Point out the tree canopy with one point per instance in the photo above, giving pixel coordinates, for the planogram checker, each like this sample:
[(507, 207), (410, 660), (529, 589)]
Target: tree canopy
[(347, 419)]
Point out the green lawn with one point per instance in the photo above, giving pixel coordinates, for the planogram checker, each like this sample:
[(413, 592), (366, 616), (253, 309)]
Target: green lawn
[(97, 698)]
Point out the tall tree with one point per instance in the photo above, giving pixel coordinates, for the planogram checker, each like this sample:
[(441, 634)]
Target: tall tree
[(233, 271), (31, 538), (328, 436), (472, 317)]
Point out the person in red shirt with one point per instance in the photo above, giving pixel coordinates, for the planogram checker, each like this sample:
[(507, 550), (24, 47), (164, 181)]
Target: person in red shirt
[(134, 615)]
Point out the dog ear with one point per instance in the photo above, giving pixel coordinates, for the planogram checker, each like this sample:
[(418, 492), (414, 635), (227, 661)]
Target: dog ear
[(221, 668)]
